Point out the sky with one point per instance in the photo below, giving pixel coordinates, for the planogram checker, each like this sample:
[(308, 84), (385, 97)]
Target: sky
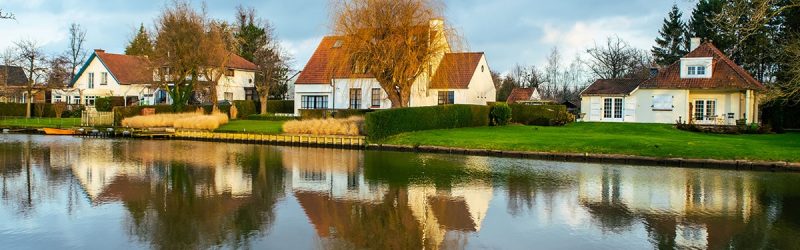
[(510, 32)]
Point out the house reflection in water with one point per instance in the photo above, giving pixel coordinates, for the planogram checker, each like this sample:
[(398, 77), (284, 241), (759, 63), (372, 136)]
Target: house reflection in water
[(347, 209), (694, 209)]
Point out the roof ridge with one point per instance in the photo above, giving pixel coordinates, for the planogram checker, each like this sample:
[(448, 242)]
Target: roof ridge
[(736, 68)]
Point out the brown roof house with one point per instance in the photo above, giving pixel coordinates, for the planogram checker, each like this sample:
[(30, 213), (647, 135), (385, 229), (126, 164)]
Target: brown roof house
[(704, 87), (106, 74), (524, 95), (327, 82)]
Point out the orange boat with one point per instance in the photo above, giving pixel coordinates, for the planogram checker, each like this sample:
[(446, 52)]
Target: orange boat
[(55, 131)]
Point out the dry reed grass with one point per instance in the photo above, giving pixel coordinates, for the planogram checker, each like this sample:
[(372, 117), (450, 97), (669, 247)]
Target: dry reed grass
[(195, 120), (350, 126)]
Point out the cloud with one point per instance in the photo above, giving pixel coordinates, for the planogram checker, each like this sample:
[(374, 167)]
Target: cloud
[(300, 50)]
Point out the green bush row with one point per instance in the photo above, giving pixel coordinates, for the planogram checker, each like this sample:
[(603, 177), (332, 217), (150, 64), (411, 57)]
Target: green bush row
[(332, 113), (37, 110), (541, 115), (270, 117), (277, 106), (382, 124)]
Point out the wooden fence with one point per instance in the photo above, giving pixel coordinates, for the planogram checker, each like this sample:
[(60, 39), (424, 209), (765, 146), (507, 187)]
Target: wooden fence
[(95, 118)]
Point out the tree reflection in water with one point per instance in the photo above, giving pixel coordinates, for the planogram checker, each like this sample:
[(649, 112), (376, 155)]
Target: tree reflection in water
[(179, 194)]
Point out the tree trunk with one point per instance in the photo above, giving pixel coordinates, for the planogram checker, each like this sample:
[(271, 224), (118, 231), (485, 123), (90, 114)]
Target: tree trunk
[(28, 104), (263, 100)]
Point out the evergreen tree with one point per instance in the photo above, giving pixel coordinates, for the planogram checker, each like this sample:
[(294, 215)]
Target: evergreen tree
[(671, 45), (140, 45), (250, 33), (701, 24)]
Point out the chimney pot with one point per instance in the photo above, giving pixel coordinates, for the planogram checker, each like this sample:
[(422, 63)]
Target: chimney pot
[(694, 43), (99, 51)]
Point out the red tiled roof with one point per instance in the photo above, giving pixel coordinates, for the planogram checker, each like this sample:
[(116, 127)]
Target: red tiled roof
[(519, 94), (126, 69), (327, 63), (725, 75), (456, 70), (238, 62), (612, 87)]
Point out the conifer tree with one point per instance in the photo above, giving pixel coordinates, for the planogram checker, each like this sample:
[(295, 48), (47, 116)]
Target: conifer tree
[(671, 45), (701, 24), (140, 45)]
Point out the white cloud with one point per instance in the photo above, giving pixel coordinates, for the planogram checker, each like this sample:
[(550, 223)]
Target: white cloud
[(300, 50)]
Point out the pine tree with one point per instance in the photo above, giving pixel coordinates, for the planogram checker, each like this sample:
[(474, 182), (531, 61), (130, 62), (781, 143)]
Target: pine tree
[(702, 26), (250, 34), (140, 45), (671, 45)]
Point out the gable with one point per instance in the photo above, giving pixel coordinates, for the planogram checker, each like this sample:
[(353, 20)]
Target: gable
[(456, 70), (13, 76), (327, 63), (724, 73)]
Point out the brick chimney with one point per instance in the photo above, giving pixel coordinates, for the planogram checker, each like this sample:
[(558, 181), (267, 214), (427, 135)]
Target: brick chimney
[(694, 43), (99, 51)]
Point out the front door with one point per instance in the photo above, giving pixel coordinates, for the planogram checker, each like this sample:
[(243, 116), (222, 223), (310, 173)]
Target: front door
[(613, 108), (705, 111)]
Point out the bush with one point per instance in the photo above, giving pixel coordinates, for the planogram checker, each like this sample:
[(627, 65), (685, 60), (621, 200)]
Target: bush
[(278, 106), (382, 124), (234, 112), (244, 109), (500, 114), (332, 113), (12, 109), (59, 108), (541, 115), (271, 117), (103, 104), (349, 126)]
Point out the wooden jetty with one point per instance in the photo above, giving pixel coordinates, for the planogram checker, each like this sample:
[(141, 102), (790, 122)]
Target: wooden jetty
[(282, 139)]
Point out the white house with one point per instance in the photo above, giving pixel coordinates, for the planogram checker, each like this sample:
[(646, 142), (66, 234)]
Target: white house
[(455, 78), (704, 87), (105, 74)]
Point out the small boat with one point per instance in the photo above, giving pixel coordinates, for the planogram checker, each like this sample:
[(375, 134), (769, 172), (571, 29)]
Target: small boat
[(55, 131)]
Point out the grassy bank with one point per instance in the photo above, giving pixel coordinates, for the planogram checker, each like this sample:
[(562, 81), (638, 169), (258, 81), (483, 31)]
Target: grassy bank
[(37, 122), (252, 126), (613, 138)]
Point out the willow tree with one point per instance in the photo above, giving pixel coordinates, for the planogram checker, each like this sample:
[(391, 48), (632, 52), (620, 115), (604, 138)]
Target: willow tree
[(393, 40), (177, 58)]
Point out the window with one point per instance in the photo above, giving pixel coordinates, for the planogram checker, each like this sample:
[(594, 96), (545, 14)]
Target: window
[(338, 44), (76, 99), (229, 72), (376, 98), (229, 96), (91, 81), (696, 70), (612, 108), (662, 103), (104, 78), (89, 100), (314, 102), (250, 94), (447, 97), (705, 110), (355, 98)]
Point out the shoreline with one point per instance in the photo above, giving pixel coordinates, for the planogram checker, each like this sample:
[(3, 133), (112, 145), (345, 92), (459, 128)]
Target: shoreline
[(741, 165)]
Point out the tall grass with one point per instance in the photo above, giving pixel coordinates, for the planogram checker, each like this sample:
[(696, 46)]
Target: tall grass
[(196, 120), (350, 126)]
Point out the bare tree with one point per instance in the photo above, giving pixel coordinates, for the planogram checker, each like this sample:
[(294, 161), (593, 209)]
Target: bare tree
[(393, 40), (76, 51), (31, 58), (617, 59), (59, 72), (218, 44), (788, 90), (6, 15), (745, 18), (177, 59)]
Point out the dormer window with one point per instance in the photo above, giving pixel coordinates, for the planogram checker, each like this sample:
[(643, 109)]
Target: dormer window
[(696, 67), (697, 70)]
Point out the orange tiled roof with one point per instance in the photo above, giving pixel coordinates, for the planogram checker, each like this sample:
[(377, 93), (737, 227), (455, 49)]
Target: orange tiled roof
[(456, 70), (126, 69), (612, 87), (519, 94), (238, 62), (726, 74)]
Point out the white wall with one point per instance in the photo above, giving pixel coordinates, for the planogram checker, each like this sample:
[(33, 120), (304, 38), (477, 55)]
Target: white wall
[(235, 84), (644, 110)]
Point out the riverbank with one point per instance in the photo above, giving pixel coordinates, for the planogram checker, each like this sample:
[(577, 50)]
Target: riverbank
[(658, 141)]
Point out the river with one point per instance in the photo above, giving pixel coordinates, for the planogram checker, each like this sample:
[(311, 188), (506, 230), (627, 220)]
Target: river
[(88, 193)]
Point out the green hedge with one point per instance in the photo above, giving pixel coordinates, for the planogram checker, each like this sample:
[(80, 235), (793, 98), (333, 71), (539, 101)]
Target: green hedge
[(330, 113), (12, 109), (270, 117), (277, 106), (245, 108), (18, 109), (541, 115), (385, 123)]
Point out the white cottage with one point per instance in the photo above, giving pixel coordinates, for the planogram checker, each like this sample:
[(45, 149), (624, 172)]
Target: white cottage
[(456, 78), (106, 74), (704, 87)]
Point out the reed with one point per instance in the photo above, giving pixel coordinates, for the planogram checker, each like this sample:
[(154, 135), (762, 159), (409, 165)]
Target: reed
[(349, 126), (194, 120)]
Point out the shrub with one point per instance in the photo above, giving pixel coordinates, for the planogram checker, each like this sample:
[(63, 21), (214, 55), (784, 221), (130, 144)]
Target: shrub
[(244, 108), (332, 113), (207, 122), (103, 104), (500, 114), (121, 113), (348, 126), (385, 123), (278, 106), (191, 120), (234, 112), (59, 108), (12, 109), (542, 115)]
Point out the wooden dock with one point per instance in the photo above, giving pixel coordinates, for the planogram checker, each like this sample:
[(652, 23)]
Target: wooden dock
[(282, 139)]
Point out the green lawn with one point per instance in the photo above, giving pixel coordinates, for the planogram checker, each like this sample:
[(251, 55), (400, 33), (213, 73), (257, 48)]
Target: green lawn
[(613, 138), (252, 126), (37, 122)]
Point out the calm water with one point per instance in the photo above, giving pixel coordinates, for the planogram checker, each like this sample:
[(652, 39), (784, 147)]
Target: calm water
[(65, 192)]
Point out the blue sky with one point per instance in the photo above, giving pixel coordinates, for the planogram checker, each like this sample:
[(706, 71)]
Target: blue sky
[(509, 31)]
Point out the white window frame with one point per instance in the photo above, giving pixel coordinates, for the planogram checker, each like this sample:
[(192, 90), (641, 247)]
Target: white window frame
[(614, 110), (709, 115), (90, 81), (104, 78)]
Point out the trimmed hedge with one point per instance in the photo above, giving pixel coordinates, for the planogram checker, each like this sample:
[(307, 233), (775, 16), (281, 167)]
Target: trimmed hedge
[(331, 113), (382, 124), (245, 108), (277, 106), (270, 117), (18, 109), (12, 109), (541, 115)]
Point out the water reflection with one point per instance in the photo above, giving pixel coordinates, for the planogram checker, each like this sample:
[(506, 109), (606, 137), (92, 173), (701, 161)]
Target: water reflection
[(180, 194)]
